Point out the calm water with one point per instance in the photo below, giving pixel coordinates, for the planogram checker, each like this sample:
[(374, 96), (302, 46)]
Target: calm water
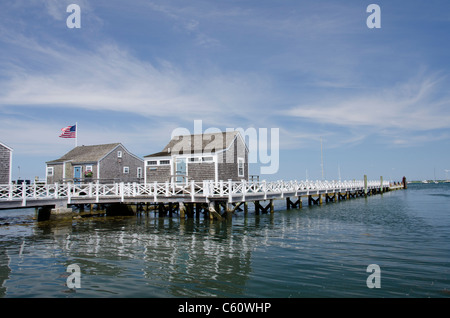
[(319, 251)]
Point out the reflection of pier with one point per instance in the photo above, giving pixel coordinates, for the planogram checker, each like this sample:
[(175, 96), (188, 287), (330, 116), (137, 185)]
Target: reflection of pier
[(186, 257), (190, 197)]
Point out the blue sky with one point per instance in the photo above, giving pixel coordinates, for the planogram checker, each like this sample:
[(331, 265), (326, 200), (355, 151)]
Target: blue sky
[(136, 70)]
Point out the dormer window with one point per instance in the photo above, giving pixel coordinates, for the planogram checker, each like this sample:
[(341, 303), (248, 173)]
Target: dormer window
[(119, 154)]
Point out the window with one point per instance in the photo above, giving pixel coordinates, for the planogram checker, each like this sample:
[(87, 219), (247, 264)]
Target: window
[(126, 169), (152, 163), (164, 162), (195, 159), (139, 172), (49, 171), (119, 154), (240, 167), (88, 168), (207, 159)]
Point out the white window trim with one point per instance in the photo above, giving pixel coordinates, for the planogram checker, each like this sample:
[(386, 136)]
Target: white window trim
[(139, 172), (52, 171), (241, 160), (119, 154), (126, 170)]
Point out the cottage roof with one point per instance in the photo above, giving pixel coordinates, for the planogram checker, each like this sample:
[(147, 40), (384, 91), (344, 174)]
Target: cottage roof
[(199, 143), (86, 153), (6, 146)]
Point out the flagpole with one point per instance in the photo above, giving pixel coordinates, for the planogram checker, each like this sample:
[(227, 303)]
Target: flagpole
[(76, 134)]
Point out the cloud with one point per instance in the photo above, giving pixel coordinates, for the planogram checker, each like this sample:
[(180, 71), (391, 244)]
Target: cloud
[(109, 78), (415, 105)]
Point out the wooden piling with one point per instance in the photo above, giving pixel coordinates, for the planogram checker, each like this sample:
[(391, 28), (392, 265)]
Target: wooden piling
[(295, 205), (365, 185), (381, 185), (182, 210), (213, 213)]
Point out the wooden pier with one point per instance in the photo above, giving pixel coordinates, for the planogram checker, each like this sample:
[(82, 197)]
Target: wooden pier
[(217, 200)]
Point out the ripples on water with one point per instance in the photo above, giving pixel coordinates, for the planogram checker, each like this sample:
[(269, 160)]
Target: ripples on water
[(319, 251)]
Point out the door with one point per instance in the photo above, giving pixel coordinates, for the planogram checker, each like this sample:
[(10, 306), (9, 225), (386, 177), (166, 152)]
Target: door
[(180, 169), (76, 174)]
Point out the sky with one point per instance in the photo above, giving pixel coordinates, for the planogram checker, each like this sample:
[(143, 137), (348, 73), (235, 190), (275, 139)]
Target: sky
[(360, 100)]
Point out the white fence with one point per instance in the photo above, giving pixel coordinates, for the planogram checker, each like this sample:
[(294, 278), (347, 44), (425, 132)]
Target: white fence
[(157, 192)]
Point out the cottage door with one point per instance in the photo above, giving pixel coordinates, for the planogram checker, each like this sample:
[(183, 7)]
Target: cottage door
[(180, 169), (76, 174)]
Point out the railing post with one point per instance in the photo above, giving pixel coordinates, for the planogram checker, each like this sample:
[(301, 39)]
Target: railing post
[(192, 190), (155, 193), (244, 189), (205, 188), (265, 189), (69, 194), (121, 191), (230, 190), (97, 192), (24, 194), (34, 190), (56, 190), (221, 188), (10, 194)]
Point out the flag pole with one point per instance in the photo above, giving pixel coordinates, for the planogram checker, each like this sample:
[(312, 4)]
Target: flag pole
[(76, 134)]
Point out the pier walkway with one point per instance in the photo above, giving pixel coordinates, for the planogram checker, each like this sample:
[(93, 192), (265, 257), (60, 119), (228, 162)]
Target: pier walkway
[(229, 194)]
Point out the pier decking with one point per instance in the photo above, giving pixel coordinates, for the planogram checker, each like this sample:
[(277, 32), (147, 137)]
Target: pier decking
[(229, 194)]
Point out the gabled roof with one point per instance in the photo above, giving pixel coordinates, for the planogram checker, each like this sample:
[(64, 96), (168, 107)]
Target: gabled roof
[(6, 146), (199, 143), (87, 153)]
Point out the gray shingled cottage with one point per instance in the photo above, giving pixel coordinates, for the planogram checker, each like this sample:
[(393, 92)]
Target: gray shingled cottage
[(105, 163), (212, 156), (5, 163)]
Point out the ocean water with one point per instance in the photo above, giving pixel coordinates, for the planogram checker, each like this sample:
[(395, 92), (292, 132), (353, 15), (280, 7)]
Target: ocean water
[(318, 251)]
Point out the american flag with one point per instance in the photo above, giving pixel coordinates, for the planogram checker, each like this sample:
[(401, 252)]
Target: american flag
[(69, 132)]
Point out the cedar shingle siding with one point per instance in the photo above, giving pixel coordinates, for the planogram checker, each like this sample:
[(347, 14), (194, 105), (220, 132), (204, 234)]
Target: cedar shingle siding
[(158, 174), (201, 171), (5, 164), (106, 163)]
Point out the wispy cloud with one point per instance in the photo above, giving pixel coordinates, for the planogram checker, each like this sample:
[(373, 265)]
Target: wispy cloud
[(416, 105), (110, 78)]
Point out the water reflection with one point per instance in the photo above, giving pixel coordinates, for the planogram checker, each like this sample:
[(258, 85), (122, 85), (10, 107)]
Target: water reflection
[(195, 257)]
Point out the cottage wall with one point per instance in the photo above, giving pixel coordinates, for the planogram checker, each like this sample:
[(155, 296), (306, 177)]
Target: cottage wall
[(58, 175), (199, 171), (228, 162), (112, 167), (5, 164), (158, 173)]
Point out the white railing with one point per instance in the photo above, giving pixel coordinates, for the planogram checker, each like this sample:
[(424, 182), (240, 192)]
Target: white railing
[(206, 189)]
